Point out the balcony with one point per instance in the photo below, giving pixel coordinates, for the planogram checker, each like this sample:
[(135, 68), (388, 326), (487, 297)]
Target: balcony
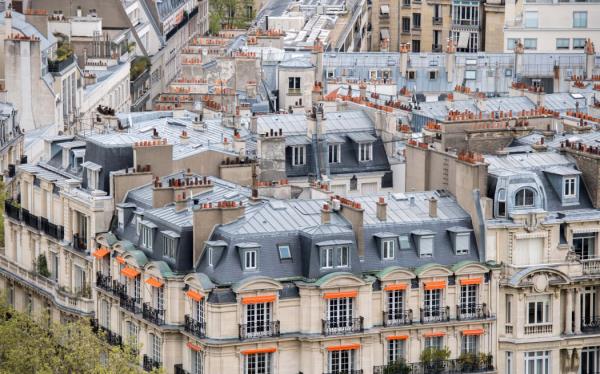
[(79, 243), (437, 21), (436, 48), (180, 370), (342, 326), (254, 331), (542, 328), (294, 91), (55, 66), (150, 364), (111, 337), (104, 282), (395, 319), (356, 371), (432, 315), (156, 316), (12, 210), (472, 312), (130, 304), (592, 325), (591, 265), (196, 328), (119, 289), (31, 220), (481, 364), (55, 231)]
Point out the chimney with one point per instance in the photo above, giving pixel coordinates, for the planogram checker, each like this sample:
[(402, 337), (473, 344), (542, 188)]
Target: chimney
[(381, 209), (7, 23), (433, 207), (590, 56), (519, 51), (253, 124), (353, 212), (317, 59), (317, 93), (325, 214), (450, 60), (180, 202), (79, 11), (362, 87), (404, 59)]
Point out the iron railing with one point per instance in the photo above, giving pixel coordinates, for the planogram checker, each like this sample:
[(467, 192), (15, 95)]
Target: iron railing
[(130, 303), (259, 330), (398, 318), (31, 220), (194, 327), (150, 364), (480, 364), (439, 314), (111, 337), (104, 282), (50, 229), (342, 326), (12, 210), (79, 243), (590, 324), (156, 316), (437, 20), (55, 66), (180, 370), (471, 312), (355, 371)]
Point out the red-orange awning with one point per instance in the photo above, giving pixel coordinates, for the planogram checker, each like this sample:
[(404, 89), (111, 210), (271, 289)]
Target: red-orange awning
[(434, 334), (101, 252), (338, 295), (346, 347), (473, 332), (436, 285), (193, 346), (396, 287), (469, 281), (258, 299), (194, 295), (120, 259), (154, 282), (259, 350), (130, 272), (397, 337)]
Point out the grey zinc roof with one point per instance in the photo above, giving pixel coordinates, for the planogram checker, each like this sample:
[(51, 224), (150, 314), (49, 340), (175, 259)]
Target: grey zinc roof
[(361, 137), (336, 122), (591, 138), (562, 170), (517, 162), (20, 23)]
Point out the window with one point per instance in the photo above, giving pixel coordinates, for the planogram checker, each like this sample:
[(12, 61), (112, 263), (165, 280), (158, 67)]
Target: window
[(432, 75), (258, 320), (528, 251), (416, 20), (158, 298), (538, 311), (197, 359), (502, 203), (284, 252), (508, 306), (465, 14), (211, 255), (509, 356), (365, 152), (343, 255), (395, 305), (405, 24), (530, 43), (396, 351), (435, 342), (562, 43), (104, 314), (339, 314), (470, 344), (416, 46), (147, 236), (405, 2), (169, 247), (294, 85), (583, 245), (387, 249), (79, 279), (341, 361), (404, 242), (335, 153), (138, 224), (524, 197), (462, 243), (531, 19), (53, 265), (578, 43), (258, 363), (132, 333), (468, 300), (569, 186), (432, 305), (511, 43), (298, 155), (92, 179), (425, 246), (411, 75), (156, 348), (250, 260), (537, 362), (470, 74), (327, 258), (580, 19)]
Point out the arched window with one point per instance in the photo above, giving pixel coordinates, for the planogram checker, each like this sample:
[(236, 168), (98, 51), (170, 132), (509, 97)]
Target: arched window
[(524, 197)]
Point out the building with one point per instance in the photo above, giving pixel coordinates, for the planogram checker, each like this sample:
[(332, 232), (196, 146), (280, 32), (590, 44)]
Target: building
[(11, 141), (550, 26)]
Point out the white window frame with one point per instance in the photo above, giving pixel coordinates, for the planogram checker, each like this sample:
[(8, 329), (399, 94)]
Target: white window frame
[(470, 344), (326, 257), (432, 303), (258, 319), (298, 155), (132, 333), (524, 191), (365, 152), (343, 256), (388, 249), (463, 243), (147, 236), (436, 342), (335, 153), (340, 313), (250, 260), (569, 189), (169, 247), (396, 351), (257, 363), (210, 256), (121, 217), (155, 347), (577, 25), (535, 359), (540, 304)]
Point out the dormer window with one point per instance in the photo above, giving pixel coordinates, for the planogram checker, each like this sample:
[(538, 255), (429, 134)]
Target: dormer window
[(148, 234), (170, 244), (365, 152), (424, 241), (298, 155), (335, 153), (404, 242), (501, 203), (334, 255), (387, 249), (524, 198), (461, 239), (250, 260), (569, 187), (210, 256), (284, 252)]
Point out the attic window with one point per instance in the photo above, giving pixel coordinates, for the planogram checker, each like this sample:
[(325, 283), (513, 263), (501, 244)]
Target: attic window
[(250, 261), (501, 203), (424, 241), (411, 75), (170, 244), (462, 243), (147, 234), (432, 75), (387, 249), (524, 197), (404, 242), (569, 187), (284, 252)]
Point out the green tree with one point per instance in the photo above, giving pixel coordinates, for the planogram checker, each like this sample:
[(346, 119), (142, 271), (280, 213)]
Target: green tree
[(37, 345), (42, 266), (433, 359)]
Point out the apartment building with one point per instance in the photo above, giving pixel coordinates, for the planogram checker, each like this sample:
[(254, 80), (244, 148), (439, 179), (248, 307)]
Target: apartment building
[(11, 141), (550, 26), (426, 26), (215, 282)]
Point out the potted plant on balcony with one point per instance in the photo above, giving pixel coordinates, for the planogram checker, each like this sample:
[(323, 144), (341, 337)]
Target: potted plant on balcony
[(468, 362), (397, 367), (42, 266), (433, 359)]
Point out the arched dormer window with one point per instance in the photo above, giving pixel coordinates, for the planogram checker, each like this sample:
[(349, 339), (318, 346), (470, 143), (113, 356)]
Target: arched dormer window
[(524, 197)]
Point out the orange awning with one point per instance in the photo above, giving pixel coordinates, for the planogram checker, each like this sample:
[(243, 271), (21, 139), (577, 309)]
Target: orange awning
[(101, 252), (338, 295), (130, 272), (194, 295), (193, 346), (437, 285), (259, 350), (396, 287), (120, 259), (397, 337), (434, 334), (346, 347), (473, 332), (258, 299), (468, 281), (154, 282)]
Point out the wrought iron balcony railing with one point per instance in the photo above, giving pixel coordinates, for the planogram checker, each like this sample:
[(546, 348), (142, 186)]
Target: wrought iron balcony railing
[(354, 371), (194, 327), (12, 210), (342, 326), (471, 312), (119, 289), (104, 282), (398, 318), (439, 314), (79, 243), (180, 370), (52, 230), (150, 364), (259, 330), (111, 337), (130, 303), (590, 324), (31, 220), (474, 364), (156, 316)]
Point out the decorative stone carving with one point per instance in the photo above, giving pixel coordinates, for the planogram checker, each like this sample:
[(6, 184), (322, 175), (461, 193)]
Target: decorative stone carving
[(540, 282)]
